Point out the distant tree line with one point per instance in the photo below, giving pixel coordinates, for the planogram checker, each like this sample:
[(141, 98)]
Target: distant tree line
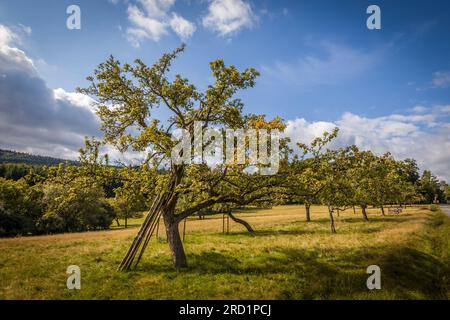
[(17, 171), (8, 156)]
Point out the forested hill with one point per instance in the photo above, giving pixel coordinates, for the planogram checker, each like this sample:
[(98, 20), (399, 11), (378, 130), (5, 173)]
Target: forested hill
[(7, 156)]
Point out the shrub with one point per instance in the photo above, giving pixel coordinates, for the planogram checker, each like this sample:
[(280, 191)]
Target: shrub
[(20, 207), (76, 205)]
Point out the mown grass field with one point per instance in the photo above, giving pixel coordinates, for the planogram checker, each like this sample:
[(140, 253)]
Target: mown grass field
[(287, 258)]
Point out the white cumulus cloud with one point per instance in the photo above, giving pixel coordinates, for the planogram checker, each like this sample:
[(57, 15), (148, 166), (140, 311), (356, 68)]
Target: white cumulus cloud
[(229, 16), (6, 36), (182, 27), (145, 26), (152, 19)]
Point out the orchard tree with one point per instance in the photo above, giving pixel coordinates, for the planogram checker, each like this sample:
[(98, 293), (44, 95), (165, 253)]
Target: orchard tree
[(126, 97), (383, 181), (129, 200), (336, 192), (306, 174), (136, 192), (364, 179)]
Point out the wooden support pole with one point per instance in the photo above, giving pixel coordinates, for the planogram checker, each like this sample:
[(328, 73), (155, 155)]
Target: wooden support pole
[(228, 224), (223, 223), (157, 229), (184, 229)]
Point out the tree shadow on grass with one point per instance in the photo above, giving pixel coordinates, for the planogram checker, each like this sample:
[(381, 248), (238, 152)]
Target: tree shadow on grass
[(406, 273), (407, 269), (369, 230), (304, 275)]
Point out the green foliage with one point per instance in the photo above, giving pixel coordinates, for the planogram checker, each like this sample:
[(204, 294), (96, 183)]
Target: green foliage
[(410, 171), (447, 193), (76, 205), (16, 171), (430, 188), (306, 176), (133, 196), (20, 207), (64, 202)]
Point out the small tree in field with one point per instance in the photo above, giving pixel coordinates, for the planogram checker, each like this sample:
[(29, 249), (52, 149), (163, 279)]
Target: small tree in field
[(306, 176), (382, 181), (338, 192), (135, 193), (128, 204), (363, 175)]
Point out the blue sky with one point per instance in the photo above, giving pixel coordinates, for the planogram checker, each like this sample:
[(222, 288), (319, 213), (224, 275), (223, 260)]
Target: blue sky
[(320, 65)]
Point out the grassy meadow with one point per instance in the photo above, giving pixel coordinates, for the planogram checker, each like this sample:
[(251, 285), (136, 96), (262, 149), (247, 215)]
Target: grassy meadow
[(286, 258)]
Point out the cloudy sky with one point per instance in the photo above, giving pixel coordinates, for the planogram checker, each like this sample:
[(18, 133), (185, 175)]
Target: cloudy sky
[(387, 90)]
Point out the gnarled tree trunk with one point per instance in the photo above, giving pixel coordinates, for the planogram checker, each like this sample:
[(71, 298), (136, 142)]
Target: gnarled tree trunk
[(240, 221), (308, 212), (333, 228), (364, 213), (174, 240)]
